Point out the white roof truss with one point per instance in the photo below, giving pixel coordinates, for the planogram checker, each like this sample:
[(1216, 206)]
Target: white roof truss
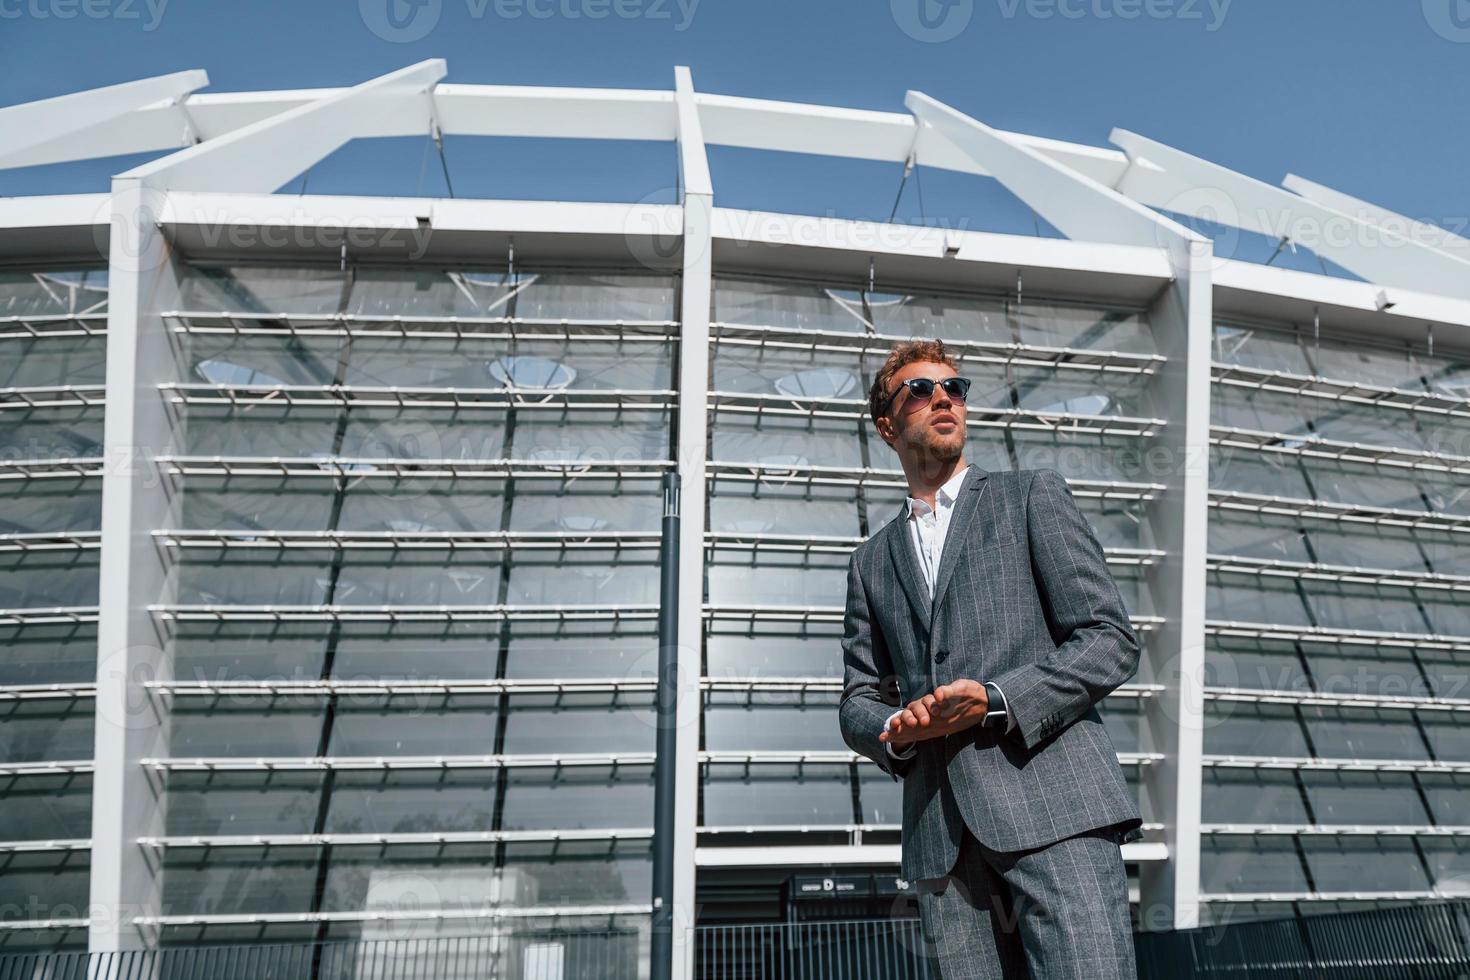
[(1432, 235), (264, 155), (257, 141), (1076, 204), (61, 128), (1172, 180)]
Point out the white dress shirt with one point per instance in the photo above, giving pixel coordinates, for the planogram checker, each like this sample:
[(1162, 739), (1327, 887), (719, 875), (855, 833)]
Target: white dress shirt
[(927, 529)]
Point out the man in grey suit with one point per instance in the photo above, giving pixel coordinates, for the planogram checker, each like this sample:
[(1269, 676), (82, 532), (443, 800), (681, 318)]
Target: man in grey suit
[(982, 628)]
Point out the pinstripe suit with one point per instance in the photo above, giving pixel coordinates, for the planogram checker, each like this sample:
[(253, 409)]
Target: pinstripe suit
[(1022, 597)]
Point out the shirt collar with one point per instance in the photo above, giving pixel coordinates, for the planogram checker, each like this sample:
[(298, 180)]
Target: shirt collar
[(946, 493)]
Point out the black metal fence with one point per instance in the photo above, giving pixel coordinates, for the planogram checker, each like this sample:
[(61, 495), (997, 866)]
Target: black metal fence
[(1426, 941), (855, 949), (613, 955)]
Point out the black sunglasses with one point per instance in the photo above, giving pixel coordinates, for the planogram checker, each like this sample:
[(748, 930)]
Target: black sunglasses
[(922, 389)]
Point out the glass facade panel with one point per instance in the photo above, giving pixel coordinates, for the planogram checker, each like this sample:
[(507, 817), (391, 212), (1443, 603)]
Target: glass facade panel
[(1242, 728), (1255, 664), (38, 727), (977, 319), (1250, 864), (778, 795), (1266, 350), (791, 306), (1383, 671), (48, 806), (1448, 796), (1364, 798), (1342, 599), (735, 722), (1346, 733), (44, 653), (46, 730), (1356, 864), (1252, 796)]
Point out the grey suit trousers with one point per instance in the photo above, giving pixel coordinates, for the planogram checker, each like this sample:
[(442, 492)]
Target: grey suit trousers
[(1058, 912)]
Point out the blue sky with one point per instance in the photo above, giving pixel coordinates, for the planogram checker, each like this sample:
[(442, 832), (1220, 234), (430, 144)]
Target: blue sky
[(1368, 96)]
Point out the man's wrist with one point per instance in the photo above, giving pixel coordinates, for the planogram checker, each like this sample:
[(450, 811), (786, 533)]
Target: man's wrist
[(897, 751), (998, 716)]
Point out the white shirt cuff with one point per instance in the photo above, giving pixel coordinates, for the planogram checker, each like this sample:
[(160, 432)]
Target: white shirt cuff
[(907, 753)]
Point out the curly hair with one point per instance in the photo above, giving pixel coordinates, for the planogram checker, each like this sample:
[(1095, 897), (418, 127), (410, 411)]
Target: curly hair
[(905, 352)]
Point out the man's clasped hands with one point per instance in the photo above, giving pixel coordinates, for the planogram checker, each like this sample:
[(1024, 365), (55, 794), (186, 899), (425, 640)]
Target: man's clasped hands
[(950, 708)]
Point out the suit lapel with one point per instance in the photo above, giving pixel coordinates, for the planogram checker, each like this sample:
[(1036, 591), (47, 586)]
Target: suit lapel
[(966, 506), (901, 548)]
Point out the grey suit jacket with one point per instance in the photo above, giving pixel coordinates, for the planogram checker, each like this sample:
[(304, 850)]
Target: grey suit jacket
[(1023, 597)]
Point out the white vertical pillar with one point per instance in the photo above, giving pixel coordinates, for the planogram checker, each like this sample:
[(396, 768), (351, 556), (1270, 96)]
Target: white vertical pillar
[(698, 205), (131, 650), (1182, 318)]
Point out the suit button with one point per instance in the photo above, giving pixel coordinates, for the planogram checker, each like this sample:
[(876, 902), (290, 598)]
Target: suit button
[(939, 657)]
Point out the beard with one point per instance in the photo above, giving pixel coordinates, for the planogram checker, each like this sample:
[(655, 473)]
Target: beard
[(935, 450)]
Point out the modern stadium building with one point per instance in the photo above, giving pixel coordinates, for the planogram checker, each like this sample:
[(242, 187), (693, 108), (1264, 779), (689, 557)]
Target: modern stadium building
[(330, 527)]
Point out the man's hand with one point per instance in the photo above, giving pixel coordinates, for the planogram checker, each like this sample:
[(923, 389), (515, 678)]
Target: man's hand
[(951, 708)]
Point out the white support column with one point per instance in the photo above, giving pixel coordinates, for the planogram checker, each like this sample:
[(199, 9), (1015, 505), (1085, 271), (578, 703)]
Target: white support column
[(1163, 177), (694, 343), (1084, 209), (26, 127), (261, 157), (131, 648), (1181, 318)]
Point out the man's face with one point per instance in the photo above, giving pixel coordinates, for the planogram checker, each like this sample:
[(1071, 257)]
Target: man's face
[(924, 429)]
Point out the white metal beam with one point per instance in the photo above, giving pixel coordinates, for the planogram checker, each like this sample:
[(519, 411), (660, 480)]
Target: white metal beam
[(694, 333), (1163, 177), (694, 175), (571, 113), (1431, 235), (1077, 205), (264, 155), (32, 126)]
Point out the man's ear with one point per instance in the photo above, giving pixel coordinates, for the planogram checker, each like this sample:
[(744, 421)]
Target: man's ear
[(885, 429)]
